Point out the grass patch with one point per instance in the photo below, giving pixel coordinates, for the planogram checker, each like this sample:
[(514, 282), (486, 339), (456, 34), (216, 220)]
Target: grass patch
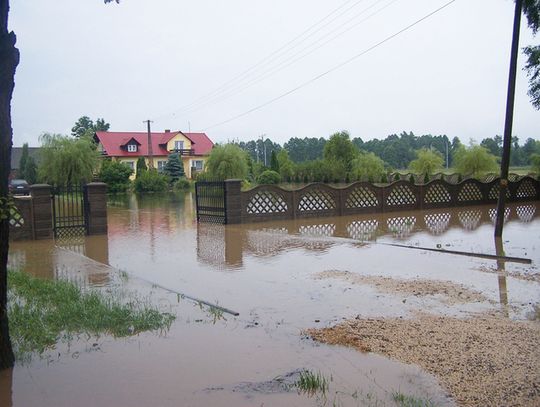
[(43, 312), (404, 400), (312, 383)]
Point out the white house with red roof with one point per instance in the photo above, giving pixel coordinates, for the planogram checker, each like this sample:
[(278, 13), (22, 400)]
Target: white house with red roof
[(127, 147)]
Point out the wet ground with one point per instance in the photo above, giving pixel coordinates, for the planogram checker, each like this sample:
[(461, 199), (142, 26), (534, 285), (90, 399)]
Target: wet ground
[(270, 273)]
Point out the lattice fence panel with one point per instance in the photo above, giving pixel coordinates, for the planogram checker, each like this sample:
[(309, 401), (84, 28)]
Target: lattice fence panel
[(316, 200), (437, 223), (437, 193), (363, 230), (526, 189), (489, 177), (526, 213), (469, 192), (470, 219), (361, 197), (494, 192), (263, 202), (326, 230), (493, 214), (451, 178), (401, 226), (16, 219), (401, 195)]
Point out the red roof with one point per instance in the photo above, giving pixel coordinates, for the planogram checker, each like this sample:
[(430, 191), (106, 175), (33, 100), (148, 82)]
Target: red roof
[(112, 142)]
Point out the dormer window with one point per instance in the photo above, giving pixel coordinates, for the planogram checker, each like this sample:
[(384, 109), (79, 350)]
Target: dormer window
[(132, 148), (179, 145)]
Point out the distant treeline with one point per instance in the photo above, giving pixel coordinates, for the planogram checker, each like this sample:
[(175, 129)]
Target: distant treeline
[(397, 151)]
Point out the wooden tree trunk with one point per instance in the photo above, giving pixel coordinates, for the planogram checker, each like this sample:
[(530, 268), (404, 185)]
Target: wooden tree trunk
[(9, 59)]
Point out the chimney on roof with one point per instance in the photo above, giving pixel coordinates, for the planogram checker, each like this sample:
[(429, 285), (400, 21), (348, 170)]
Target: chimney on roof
[(167, 130)]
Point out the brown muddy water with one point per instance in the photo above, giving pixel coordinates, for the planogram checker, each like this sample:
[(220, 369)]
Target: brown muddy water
[(270, 274)]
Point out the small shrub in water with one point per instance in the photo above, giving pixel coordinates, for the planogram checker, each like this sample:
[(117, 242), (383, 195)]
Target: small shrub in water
[(312, 383)]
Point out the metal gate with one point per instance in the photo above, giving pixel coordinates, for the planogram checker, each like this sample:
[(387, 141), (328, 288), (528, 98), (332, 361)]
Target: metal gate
[(210, 201), (70, 210)]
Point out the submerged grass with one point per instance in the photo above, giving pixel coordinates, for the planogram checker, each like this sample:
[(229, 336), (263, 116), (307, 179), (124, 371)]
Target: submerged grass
[(403, 400), (43, 312), (312, 383)]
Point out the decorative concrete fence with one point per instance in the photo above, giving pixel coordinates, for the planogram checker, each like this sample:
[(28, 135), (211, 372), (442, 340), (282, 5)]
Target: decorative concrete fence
[(268, 202), (32, 217)]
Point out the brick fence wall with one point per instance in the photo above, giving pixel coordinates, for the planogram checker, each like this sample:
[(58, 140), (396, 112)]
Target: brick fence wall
[(32, 218), (268, 202)]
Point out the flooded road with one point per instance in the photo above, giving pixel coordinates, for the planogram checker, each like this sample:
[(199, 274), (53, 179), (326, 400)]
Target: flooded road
[(276, 276)]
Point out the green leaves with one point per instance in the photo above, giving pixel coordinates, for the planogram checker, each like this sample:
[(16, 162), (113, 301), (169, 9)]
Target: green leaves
[(67, 160)]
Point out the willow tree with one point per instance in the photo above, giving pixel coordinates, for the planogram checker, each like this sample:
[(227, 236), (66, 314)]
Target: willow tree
[(9, 59)]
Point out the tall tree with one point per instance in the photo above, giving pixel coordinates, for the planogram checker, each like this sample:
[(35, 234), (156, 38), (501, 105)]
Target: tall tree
[(427, 162), (531, 9), (341, 149), (30, 170), (140, 167), (285, 165), (9, 59), (227, 161), (474, 161), (174, 168), (367, 166), (65, 160), (85, 127), (274, 164)]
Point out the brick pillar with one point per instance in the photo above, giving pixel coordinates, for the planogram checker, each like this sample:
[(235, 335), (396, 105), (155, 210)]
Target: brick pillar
[(97, 208), (233, 201), (42, 210)]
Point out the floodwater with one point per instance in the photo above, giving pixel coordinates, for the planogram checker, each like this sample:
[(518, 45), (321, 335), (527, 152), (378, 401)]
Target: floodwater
[(265, 272)]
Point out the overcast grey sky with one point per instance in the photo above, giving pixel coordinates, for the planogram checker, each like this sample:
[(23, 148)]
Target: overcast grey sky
[(145, 59)]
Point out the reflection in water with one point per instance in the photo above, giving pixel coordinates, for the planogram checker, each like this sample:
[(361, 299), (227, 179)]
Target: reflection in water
[(60, 258), (224, 246), (501, 274)]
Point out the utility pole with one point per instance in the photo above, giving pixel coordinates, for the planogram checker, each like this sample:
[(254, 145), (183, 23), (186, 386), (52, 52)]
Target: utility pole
[(446, 150), (150, 152), (264, 148), (505, 162)]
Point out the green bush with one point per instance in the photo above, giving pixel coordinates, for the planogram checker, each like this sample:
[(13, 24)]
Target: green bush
[(141, 167), (535, 161), (269, 177), (182, 184), (426, 162), (227, 161), (174, 168), (151, 181), (475, 161), (116, 175)]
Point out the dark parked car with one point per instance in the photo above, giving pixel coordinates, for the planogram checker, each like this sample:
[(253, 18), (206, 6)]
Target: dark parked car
[(19, 187)]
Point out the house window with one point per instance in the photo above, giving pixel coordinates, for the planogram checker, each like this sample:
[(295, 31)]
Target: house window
[(179, 145), (132, 148), (161, 165), (197, 164), (130, 164)]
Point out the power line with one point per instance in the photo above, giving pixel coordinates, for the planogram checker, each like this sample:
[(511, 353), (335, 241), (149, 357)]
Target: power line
[(274, 53), (290, 60), (336, 67)]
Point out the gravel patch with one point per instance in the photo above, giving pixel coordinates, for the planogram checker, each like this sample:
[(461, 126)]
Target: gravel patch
[(481, 361), (450, 292)]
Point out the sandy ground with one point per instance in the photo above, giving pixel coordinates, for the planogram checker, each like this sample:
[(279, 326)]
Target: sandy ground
[(484, 360), (448, 292)]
